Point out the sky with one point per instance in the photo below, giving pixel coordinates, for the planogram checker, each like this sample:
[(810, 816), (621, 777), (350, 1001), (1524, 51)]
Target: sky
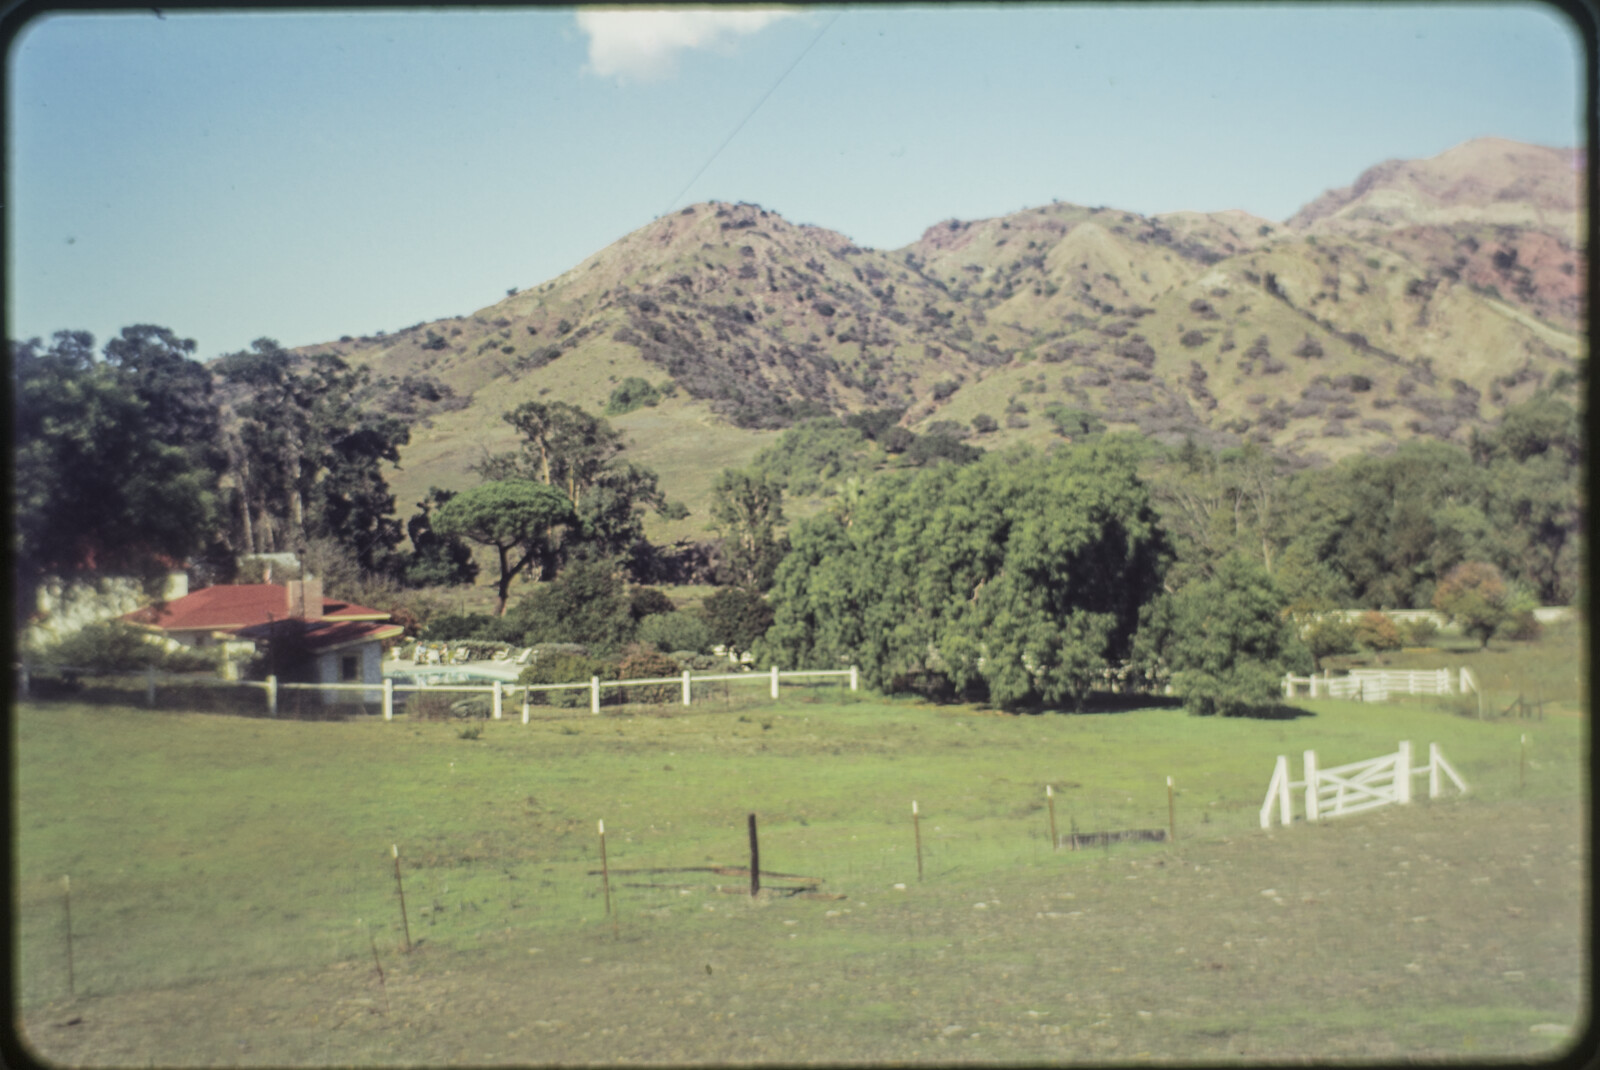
[(306, 175)]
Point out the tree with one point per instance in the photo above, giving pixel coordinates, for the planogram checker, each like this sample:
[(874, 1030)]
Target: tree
[(587, 603), (567, 448), (1474, 595), (746, 509), (736, 617), (1226, 640), (96, 490), (1017, 578), (514, 517), (306, 458), (436, 560)]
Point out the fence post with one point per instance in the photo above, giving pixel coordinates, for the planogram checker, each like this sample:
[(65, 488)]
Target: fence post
[(498, 698), (525, 693), (1288, 686), (1433, 770), (594, 694), (774, 681), (388, 698), (1311, 785), (686, 687), (852, 677), (1313, 681), (272, 696), (150, 685), (1402, 773)]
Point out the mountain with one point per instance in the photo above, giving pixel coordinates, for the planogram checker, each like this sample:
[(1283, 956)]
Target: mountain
[(1421, 300)]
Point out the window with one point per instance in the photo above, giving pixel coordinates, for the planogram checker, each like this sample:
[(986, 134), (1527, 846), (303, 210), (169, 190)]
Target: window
[(349, 668)]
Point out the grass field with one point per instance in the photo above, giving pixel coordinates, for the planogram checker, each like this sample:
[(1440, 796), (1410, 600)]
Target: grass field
[(231, 877)]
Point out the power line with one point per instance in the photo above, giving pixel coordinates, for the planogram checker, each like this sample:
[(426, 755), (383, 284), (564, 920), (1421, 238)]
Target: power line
[(751, 112)]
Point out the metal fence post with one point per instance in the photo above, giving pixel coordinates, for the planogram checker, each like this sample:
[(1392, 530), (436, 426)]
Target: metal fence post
[(388, 698), (686, 687)]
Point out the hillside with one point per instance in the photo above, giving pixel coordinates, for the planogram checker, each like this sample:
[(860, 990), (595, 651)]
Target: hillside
[(1419, 301)]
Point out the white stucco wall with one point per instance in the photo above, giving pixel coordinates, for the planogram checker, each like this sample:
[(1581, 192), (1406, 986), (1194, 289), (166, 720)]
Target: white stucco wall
[(370, 672)]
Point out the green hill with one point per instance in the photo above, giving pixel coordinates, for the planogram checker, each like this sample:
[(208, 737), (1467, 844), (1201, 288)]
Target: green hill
[(1420, 301)]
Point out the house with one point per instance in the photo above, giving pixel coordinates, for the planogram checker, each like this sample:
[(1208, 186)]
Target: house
[(307, 638)]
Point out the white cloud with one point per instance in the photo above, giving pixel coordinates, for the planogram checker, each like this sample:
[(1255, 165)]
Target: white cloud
[(642, 43)]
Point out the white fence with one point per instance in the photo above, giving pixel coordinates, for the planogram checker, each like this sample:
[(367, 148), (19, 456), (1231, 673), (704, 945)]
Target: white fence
[(1376, 685), (501, 691), (1352, 788)]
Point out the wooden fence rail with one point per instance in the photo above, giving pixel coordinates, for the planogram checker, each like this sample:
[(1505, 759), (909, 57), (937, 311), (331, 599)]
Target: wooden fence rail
[(499, 689), (1349, 789)]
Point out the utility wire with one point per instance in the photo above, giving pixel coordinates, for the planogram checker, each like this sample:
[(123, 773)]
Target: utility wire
[(751, 112)]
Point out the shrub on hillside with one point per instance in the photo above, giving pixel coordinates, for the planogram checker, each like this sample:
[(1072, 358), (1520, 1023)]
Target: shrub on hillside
[(1376, 631), (632, 393)]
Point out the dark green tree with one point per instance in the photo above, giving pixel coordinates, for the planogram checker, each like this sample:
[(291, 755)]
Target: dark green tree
[(436, 560), (587, 603), (1225, 641), (96, 490), (307, 459), (1017, 577), (736, 617)]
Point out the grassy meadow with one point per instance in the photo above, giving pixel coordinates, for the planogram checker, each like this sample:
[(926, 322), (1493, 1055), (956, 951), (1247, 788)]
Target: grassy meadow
[(232, 882)]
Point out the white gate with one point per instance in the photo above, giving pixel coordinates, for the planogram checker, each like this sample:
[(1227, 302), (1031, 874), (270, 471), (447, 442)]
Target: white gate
[(1352, 788)]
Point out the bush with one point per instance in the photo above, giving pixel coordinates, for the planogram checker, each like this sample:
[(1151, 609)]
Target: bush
[(112, 647), (632, 393), (736, 617), (444, 705), (455, 626), (649, 602), (1420, 632), (564, 668), (1376, 631), (586, 603), (1521, 625), (1329, 635), (641, 662), (679, 630)]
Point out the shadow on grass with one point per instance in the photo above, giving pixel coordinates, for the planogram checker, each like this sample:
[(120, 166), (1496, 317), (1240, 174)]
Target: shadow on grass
[(1276, 712)]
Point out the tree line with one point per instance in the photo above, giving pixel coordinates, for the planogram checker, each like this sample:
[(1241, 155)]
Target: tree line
[(1023, 578)]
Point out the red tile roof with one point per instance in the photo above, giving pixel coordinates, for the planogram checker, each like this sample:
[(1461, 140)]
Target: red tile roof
[(328, 634), (234, 607)]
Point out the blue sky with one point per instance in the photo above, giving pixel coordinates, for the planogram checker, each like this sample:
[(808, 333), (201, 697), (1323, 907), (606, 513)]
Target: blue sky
[(307, 175)]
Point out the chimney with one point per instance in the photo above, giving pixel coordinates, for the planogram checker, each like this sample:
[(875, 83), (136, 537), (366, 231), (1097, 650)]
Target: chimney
[(305, 599), (311, 587)]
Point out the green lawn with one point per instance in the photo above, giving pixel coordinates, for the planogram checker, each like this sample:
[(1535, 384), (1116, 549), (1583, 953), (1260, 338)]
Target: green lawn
[(228, 873)]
